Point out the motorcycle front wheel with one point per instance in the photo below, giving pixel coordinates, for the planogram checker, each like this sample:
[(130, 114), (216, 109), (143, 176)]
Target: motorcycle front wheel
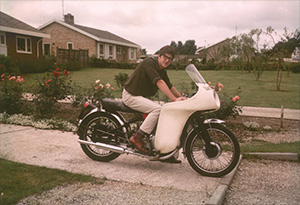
[(217, 159), (98, 128)]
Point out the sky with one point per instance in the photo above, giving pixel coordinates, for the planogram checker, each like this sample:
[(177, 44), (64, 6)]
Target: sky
[(153, 24)]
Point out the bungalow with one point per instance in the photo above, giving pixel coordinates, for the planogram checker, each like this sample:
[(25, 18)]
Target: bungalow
[(101, 44), (19, 40), (212, 52)]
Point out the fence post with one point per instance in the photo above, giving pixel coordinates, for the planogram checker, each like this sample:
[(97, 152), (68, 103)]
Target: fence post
[(281, 116)]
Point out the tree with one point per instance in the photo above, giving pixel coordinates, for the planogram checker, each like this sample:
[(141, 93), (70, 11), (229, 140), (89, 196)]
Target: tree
[(283, 49), (188, 48), (144, 51)]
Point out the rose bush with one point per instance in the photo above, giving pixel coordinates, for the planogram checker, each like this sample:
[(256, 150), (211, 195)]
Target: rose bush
[(99, 91), (228, 104), (11, 99), (57, 85)]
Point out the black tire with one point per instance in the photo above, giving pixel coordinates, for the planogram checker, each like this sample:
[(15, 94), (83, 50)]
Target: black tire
[(87, 132), (223, 156)]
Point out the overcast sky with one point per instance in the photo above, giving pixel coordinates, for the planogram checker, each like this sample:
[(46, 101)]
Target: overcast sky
[(153, 24)]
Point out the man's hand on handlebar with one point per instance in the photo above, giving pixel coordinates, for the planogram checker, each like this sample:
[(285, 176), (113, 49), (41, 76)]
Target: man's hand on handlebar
[(180, 99)]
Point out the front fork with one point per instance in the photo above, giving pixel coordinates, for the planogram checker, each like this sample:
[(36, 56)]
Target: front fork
[(198, 125), (211, 148)]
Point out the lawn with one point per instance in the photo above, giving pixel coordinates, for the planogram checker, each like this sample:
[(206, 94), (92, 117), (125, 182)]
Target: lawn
[(19, 180), (254, 93)]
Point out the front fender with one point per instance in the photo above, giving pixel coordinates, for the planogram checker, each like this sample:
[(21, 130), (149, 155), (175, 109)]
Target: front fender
[(216, 121), (188, 129)]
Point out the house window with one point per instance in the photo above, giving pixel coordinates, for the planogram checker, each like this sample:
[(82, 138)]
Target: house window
[(119, 50), (111, 51), (47, 49), (2, 40), (131, 51), (70, 45), (101, 50), (23, 45)]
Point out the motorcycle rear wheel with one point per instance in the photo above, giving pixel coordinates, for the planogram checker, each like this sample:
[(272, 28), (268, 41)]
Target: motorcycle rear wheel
[(218, 160), (89, 133)]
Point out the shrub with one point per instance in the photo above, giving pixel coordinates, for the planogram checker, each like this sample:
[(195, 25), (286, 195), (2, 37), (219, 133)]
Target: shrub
[(120, 79), (8, 66), (11, 99), (295, 67), (36, 66), (79, 95), (99, 91), (71, 65), (104, 63), (98, 63), (228, 104), (48, 90)]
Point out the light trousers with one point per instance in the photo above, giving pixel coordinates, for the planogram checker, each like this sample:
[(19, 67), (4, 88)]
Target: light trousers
[(143, 105)]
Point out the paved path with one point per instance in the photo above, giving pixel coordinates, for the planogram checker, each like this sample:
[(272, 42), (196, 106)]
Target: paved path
[(271, 112)]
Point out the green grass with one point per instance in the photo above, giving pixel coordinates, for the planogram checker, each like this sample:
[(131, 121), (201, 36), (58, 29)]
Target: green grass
[(260, 93), (18, 180), (293, 147)]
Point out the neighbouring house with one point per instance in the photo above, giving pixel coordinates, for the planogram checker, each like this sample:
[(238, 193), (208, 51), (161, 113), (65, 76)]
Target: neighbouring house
[(212, 52), (101, 44), (296, 54), (19, 40)]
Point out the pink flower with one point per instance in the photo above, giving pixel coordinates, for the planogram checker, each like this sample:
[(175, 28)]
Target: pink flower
[(12, 78), (107, 85), (234, 99), (112, 88), (3, 75), (19, 79), (220, 85)]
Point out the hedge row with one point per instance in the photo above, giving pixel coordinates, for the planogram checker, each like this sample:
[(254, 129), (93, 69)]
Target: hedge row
[(7, 65)]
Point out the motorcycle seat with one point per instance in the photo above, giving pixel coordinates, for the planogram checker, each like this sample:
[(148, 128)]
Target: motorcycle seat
[(112, 105)]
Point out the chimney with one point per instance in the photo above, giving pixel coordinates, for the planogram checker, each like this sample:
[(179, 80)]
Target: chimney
[(69, 18)]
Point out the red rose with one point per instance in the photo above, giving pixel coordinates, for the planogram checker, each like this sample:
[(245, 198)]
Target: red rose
[(55, 74), (66, 72)]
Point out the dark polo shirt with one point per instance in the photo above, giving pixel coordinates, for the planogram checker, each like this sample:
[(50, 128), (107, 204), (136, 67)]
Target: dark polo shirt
[(143, 80)]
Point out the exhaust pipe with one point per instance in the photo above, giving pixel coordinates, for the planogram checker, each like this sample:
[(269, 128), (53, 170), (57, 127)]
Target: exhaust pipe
[(107, 147), (125, 151)]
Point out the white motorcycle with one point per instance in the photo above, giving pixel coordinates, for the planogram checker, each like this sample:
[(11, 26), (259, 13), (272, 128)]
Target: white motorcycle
[(210, 148)]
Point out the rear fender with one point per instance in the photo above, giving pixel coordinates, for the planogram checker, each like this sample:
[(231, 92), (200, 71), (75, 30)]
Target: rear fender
[(87, 111), (95, 113)]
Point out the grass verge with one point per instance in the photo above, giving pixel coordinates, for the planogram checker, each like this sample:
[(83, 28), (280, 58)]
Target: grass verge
[(293, 147), (18, 180)]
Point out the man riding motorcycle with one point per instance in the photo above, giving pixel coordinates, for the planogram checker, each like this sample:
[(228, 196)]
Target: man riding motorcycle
[(149, 76)]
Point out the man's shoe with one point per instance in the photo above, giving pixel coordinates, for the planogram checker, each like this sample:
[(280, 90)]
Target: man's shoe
[(172, 160), (136, 141)]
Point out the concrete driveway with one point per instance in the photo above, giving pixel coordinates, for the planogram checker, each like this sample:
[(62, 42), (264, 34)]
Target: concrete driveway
[(56, 149)]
